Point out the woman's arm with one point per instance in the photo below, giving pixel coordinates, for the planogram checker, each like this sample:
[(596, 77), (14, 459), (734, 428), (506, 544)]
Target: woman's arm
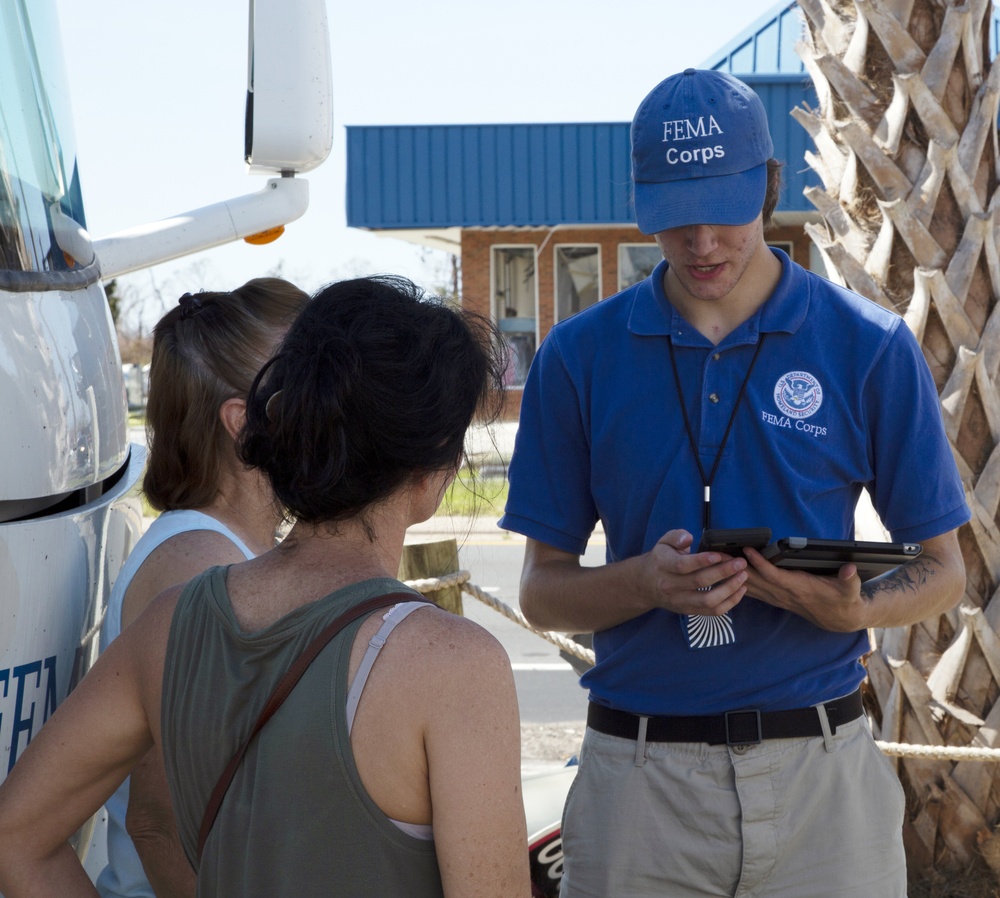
[(437, 740), (78, 759), (473, 746)]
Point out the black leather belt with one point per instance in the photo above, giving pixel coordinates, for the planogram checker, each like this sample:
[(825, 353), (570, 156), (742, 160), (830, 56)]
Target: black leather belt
[(746, 727)]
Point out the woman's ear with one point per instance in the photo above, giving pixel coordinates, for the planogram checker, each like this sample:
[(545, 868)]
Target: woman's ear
[(233, 413)]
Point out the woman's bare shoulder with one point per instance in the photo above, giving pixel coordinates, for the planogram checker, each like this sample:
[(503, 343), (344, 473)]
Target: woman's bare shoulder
[(175, 561), (437, 624), (441, 643), (188, 553)]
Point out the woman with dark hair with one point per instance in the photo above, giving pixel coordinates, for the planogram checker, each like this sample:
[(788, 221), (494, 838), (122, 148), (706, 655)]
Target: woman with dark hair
[(392, 767), (215, 510)]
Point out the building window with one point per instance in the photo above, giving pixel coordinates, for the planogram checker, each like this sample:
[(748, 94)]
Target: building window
[(636, 262), (785, 245), (514, 303), (578, 279)]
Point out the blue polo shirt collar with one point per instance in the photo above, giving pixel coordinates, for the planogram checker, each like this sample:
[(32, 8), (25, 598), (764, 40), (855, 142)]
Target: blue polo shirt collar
[(653, 315)]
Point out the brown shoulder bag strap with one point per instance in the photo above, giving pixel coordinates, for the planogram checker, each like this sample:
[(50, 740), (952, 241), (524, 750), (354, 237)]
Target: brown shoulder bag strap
[(282, 691)]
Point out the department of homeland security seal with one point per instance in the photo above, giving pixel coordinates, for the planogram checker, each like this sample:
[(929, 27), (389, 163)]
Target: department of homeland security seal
[(798, 394)]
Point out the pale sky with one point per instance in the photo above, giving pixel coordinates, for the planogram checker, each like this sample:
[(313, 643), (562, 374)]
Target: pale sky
[(158, 92)]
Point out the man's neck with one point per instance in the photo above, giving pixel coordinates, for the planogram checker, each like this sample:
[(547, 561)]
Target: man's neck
[(715, 319)]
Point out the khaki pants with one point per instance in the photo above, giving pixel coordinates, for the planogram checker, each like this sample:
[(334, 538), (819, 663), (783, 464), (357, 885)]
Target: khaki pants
[(789, 818)]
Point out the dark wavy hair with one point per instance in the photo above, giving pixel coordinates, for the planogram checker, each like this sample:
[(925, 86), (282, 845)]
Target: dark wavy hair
[(773, 192), (374, 384), (206, 350)]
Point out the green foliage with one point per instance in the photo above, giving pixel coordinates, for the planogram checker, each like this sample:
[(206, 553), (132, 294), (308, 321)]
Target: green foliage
[(471, 495)]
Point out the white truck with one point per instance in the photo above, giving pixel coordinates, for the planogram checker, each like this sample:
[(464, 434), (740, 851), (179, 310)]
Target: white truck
[(66, 466)]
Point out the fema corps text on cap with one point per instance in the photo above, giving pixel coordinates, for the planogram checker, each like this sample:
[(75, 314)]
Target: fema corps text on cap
[(700, 145)]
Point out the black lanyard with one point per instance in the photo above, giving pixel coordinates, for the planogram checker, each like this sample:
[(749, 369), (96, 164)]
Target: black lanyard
[(706, 515)]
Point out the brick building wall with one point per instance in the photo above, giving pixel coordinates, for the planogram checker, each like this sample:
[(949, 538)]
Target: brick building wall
[(477, 245)]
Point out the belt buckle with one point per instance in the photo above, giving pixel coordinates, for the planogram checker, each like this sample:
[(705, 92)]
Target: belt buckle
[(743, 727)]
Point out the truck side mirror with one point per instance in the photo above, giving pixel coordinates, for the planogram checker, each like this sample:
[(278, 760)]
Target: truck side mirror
[(289, 121)]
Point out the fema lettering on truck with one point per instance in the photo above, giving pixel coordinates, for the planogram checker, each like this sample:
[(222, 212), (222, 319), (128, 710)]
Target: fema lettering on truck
[(27, 699)]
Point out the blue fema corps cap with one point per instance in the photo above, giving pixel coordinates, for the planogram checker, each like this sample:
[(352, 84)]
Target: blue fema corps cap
[(700, 145)]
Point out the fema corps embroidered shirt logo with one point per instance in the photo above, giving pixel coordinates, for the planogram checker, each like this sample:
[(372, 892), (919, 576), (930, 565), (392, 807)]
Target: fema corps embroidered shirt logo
[(798, 394)]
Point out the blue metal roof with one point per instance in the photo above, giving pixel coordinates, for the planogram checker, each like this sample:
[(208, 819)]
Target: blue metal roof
[(765, 47), (780, 94), (547, 174), (440, 176), (487, 175), (768, 45)]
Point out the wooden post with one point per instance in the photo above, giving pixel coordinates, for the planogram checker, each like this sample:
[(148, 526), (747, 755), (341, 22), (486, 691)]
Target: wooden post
[(422, 560)]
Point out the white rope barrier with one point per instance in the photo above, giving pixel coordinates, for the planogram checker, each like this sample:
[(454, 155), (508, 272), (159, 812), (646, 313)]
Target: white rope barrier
[(463, 578), (940, 752), (433, 584), (557, 639)]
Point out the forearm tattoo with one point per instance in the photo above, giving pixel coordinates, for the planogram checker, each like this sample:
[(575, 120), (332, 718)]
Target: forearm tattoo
[(910, 577)]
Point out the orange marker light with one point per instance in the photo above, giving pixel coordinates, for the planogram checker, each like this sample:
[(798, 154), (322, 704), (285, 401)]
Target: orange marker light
[(268, 236)]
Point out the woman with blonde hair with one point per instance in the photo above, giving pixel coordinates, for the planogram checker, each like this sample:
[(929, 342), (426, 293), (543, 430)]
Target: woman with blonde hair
[(215, 510)]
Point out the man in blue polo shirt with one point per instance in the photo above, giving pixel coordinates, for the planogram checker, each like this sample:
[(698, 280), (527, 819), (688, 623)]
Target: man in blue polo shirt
[(730, 389)]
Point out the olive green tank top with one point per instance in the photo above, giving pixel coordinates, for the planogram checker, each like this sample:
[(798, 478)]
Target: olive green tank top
[(296, 820)]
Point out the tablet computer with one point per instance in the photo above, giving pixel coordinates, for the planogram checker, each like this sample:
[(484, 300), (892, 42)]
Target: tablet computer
[(732, 542), (825, 556)]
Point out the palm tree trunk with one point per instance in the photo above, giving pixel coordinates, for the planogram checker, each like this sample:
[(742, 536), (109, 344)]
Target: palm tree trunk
[(906, 142)]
